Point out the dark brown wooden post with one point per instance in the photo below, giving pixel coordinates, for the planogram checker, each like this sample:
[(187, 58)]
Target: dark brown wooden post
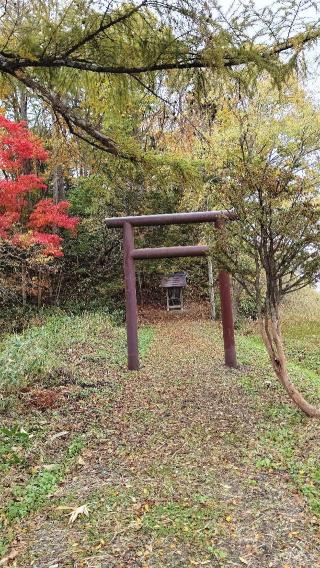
[(131, 297), (227, 319), (230, 356)]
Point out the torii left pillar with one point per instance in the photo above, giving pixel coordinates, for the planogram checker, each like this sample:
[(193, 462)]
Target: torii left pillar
[(131, 297)]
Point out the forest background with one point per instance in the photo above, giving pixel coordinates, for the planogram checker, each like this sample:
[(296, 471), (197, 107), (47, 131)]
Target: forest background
[(148, 138)]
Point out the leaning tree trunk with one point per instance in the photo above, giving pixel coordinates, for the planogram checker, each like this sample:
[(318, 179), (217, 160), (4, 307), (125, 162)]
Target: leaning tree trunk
[(271, 334)]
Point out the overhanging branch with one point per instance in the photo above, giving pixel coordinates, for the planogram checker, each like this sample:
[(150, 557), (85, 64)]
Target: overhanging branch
[(10, 62), (72, 119), (15, 66)]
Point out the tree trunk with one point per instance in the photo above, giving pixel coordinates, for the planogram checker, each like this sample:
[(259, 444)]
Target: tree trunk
[(23, 105), (211, 288), (58, 290), (24, 283), (40, 283), (58, 184), (22, 111), (271, 334)]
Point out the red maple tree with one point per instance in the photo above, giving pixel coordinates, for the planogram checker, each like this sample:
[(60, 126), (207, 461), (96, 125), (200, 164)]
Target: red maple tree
[(26, 219)]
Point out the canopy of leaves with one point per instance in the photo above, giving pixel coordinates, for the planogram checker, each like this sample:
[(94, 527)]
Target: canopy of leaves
[(265, 152), (94, 63)]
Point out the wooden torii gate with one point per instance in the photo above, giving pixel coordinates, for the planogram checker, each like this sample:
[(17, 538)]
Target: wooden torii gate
[(131, 254)]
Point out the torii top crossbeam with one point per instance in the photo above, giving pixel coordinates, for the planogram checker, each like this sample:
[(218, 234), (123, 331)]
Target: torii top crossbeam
[(171, 218), (131, 254)]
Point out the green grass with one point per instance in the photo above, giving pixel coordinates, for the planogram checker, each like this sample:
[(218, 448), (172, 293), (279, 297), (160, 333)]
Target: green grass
[(301, 329), (251, 346), (86, 347), (285, 429), (195, 521), (31, 496), (14, 442), (281, 449), (40, 351), (192, 520), (37, 351), (146, 335)]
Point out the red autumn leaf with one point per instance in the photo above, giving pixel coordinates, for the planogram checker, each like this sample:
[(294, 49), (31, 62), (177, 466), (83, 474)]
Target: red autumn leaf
[(25, 222)]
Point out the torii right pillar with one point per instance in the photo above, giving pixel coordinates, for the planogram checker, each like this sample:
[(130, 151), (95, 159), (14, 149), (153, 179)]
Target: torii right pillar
[(225, 290)]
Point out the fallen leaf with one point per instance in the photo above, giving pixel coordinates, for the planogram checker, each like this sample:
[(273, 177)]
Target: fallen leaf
[(58, 435), (82, 510)]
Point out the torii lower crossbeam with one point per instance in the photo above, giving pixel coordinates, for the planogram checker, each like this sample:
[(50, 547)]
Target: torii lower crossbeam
[(131, 255)]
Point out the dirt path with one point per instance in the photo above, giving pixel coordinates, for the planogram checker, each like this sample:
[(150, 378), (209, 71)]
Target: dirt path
[(169, 474)]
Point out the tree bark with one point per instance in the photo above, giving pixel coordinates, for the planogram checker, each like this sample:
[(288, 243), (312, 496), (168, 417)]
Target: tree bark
[(24, 283), (40, 283), (23, 105), (211, 288), (271, 334), (59, 193)]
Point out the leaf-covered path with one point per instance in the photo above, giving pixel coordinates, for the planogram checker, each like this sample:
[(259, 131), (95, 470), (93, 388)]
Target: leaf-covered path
[(170, 471)]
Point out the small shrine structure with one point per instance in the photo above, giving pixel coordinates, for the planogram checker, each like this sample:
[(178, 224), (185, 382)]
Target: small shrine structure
[(174, 286)]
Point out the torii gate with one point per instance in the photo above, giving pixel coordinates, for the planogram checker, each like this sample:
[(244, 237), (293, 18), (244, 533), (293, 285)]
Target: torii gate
[(131, 254)]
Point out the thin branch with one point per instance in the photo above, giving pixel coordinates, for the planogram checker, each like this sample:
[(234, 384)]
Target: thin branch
[(106, 143), (103, 27)]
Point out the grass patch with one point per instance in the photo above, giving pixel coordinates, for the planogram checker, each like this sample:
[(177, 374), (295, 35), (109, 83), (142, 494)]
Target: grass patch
[(38, 351), (146, 335), (301, 329), (251, 346), (143, 514), (13, 442), (184, 521), (288, 440), (42, 351), (33, 495), (83, 356), (281, 449)]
